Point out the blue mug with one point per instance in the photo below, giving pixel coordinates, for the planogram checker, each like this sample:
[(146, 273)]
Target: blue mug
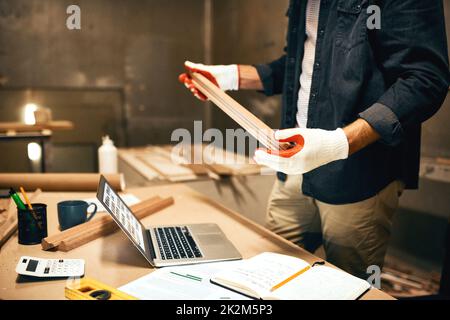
[(74, 212)]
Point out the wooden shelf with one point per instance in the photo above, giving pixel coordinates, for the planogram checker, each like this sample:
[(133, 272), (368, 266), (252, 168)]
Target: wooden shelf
[(22, 127)]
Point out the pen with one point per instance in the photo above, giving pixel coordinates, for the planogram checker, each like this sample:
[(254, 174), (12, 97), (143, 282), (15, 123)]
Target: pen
[(17, 199), (24, 194)]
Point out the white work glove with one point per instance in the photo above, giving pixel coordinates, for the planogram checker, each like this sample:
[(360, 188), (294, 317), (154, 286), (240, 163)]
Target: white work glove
[(319, 148), (225, 77)]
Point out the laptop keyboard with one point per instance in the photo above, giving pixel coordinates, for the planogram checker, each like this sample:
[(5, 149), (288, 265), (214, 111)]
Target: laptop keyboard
[(176, 243)]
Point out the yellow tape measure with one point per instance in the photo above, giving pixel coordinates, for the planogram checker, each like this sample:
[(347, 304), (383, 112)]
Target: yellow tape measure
[(90, 289)]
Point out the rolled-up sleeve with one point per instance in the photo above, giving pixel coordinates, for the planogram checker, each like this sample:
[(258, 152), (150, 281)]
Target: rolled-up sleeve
[(412, 49), (384, 121), (272, 76)]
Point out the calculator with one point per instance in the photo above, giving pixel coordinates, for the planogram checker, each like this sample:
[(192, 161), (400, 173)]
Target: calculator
[(50, 268)]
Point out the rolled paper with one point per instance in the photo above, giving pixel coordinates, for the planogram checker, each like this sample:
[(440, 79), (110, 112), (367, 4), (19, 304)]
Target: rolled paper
[(59, 181)]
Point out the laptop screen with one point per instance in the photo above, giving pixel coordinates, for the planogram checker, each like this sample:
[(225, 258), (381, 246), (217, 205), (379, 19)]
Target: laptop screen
[(123, 216)]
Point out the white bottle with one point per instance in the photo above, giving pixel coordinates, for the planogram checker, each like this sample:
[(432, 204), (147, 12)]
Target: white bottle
[(107, 156)]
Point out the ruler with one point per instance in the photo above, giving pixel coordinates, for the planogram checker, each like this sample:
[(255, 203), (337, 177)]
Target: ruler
[(90, 289)]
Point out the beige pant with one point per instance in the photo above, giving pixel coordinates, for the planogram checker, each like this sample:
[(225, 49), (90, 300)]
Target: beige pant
[(354, 235)]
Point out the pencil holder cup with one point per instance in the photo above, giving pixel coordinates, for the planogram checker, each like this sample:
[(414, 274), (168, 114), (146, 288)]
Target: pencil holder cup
[(32, 227)]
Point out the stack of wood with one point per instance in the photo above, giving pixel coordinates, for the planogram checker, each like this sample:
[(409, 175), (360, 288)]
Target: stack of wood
[(100, 226), (404, 282), (437, 169), (188, 162)]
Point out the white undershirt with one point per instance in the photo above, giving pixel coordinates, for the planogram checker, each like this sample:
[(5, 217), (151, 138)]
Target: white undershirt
[(312, 21)]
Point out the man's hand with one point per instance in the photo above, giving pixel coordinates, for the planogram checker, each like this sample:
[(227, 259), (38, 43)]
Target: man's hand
[(319, 148), (225, 77)]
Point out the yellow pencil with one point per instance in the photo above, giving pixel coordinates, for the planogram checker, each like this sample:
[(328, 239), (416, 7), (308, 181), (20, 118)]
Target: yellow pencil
[(295, 275), (24, 194)]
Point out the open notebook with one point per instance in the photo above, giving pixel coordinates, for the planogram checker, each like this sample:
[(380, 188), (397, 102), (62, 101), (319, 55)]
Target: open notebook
[(276, 276)]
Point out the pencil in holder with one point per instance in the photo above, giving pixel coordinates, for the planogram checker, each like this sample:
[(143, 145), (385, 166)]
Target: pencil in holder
[(32, 226)]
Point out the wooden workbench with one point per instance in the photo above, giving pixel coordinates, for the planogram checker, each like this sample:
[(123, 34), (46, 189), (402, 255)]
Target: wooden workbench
[(114, 260)]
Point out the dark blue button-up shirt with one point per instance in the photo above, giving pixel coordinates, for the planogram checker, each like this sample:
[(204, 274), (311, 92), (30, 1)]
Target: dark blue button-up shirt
[(395, 78)]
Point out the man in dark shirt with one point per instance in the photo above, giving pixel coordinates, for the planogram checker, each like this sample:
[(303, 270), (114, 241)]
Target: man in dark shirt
[(355, 99)]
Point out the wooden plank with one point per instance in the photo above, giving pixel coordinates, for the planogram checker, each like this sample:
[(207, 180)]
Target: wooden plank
[(443, 161), (165, 167), (229, 163), (129, 156), (75, 241), (82, 229), (166, 152), (102, 226), (247, 120), (158, 162), (56, 239)]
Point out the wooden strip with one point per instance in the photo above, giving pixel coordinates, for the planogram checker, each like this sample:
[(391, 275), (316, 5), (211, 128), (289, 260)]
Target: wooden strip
[(129, 156), (86, 232), (111, 226), (56, 239), (196, 169), (105, 222), (258, 129), (444, 161), (220, 169), (165, 167)]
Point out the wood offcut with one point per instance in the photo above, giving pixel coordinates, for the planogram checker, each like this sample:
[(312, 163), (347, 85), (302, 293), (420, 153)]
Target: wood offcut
[(77, 236)]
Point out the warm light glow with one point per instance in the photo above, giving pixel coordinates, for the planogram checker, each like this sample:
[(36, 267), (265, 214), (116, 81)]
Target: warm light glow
[(34, 151), (30, 108)]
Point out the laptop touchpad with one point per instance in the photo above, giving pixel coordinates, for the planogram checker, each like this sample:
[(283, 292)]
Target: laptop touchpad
[(210, 239)]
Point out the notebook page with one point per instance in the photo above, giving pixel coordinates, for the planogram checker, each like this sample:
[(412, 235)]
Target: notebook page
[(322, 283), (189, 282), (262, 272)]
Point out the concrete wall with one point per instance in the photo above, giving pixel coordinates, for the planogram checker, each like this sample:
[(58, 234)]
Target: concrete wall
[(128, 53), (249, 32)]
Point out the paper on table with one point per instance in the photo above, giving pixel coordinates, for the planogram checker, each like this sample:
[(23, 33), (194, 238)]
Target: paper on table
[(323, 283), (183, 283), (262, 272), (130, 199)]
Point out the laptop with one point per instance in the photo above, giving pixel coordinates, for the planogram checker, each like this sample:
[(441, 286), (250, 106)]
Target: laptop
[(168, 245)]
